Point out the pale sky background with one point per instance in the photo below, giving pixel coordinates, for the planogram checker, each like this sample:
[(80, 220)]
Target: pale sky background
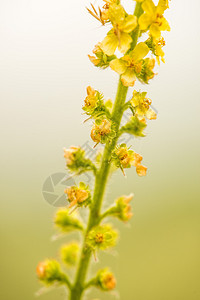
[(44, 72)]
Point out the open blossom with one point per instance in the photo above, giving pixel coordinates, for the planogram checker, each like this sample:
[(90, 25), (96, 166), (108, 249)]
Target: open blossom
[(119, 36), (102, 237), (142, 105), (100, 131), (156, 45), (123, 158), (153, 18), (78, 195), (100, 59), (131, 64)]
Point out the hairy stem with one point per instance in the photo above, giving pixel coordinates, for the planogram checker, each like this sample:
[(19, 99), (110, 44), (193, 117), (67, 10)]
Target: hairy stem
[(100, 184), (101, 180)]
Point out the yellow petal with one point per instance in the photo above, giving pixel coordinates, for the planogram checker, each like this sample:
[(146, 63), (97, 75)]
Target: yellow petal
[(118, 66), (155, 31), (128, 78), (110, 44), (149, 7), (116, 13), (144, 21), (140, 51), (165, 25), (151, 114), (125, 42), (162, 6), (141, 170), (129, 24)]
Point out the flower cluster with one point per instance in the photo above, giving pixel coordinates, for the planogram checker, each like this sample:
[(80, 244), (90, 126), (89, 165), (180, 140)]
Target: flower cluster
[(126, 50)]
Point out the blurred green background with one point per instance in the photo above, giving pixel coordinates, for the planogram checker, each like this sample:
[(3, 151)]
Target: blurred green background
[(44, 72)]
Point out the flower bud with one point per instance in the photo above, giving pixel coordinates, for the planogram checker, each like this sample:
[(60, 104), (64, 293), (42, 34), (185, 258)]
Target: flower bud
[(101, 237), (100, 59), (122, 209), (147, 70), (69, 254), (76, 160), (106, 280), (67, 222), (49, 272), (135, 126)]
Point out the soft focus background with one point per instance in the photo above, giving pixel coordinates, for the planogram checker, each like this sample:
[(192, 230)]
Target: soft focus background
[(44, 71)]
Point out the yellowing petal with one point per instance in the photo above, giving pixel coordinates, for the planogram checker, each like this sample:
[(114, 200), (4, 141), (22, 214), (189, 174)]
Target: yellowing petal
[(129, 24), (144, 21), (140, 51), (110, 44), (165, 25), (128, 78), (155, 31), (125, 42), (118, 66), (149, 7)]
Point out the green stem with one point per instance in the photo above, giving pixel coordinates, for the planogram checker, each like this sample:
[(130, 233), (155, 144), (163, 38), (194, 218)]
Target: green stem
[(100, 184), (101, 180)]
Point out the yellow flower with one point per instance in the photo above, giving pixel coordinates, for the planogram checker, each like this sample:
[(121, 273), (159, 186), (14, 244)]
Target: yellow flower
[(69, 154), (91, 99), (131, 64), (100, 131), (119, 36), (141, 170), (156, 45), (142, 104), (100, 59), (106, 280), (153, 18), (78, 195)]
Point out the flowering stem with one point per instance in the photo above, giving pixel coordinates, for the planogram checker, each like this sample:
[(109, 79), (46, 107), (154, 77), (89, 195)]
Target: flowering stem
[(100, 184), (101, 180)]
